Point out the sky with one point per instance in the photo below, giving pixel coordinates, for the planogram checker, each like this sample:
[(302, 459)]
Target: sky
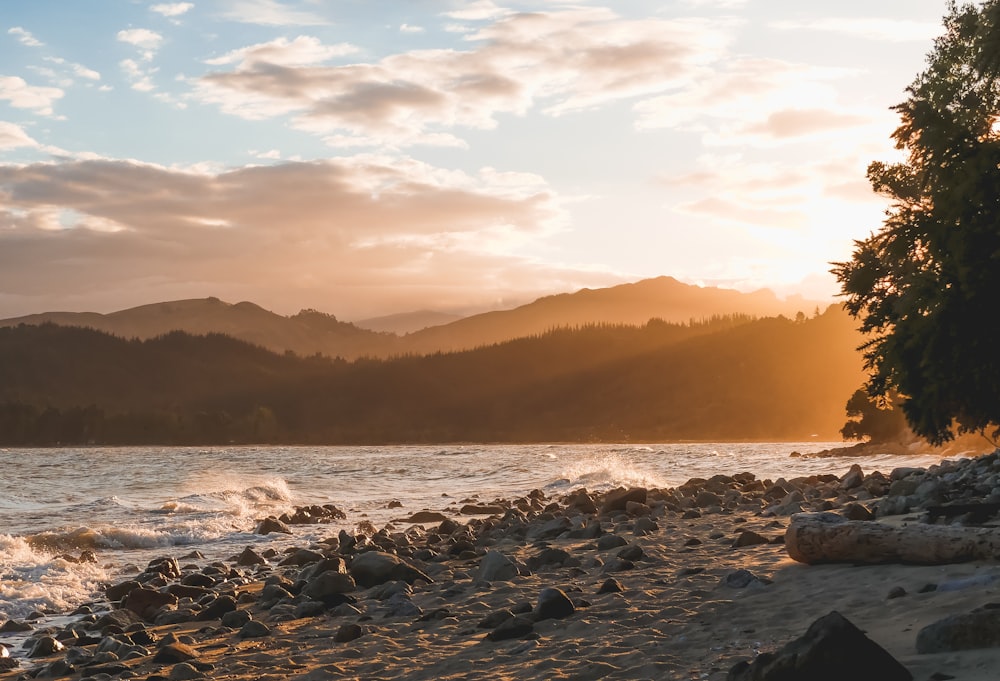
[(368, 157)]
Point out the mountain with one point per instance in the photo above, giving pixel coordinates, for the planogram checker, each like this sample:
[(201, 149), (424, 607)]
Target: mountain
[(661, 298), (729, 378), (307, 333), (310, 332), (406, 322)]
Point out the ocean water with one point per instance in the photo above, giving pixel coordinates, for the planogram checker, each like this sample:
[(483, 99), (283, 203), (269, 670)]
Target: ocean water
[(129, 505)]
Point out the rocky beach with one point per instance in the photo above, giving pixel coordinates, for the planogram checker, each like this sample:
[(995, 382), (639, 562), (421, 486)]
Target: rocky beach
[(690, 582)]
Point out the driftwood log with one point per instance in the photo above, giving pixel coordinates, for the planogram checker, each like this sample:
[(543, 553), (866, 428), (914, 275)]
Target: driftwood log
[(831, 538)]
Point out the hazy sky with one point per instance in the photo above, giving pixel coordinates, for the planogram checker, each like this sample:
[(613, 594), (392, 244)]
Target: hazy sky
[(364, 157)]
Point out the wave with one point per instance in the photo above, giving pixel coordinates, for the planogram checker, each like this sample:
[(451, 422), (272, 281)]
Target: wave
[(118, 538), (271, 494), (33, 580), (607, 472)]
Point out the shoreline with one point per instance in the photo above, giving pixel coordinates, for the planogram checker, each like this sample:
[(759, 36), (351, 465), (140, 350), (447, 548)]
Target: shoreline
[(673, 610)]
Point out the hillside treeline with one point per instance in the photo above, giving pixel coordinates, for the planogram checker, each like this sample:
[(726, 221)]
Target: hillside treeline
[(724, 378)]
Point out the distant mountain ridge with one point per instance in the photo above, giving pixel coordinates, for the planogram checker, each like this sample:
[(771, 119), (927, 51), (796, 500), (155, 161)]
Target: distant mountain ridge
[(310, 332)]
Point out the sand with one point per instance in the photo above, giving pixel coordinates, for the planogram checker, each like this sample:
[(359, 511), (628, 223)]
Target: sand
[(675, 618)]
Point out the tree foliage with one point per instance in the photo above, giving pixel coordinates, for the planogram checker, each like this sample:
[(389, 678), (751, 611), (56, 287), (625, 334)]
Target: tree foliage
[(870, 421), (926, 284)]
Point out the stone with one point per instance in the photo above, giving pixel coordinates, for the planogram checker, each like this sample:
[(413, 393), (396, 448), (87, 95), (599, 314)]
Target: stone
[(348, 632), (611, 586), (832, 649), (548, 556), (852, 478), (172, 653), (749, 538), (301, 557), (617, 499), (235, 619), (400, 605), (482, 509), (610, 541), (271, 525), (553, 603), (45, 646), (15, 627), (856, 511), (166, 566), (250, 557), (184, 671), (198, 579), (328, 584), (514, 627), (979, 628), (217, 608), (496, 567), (374, 567), (495, 619), (145, 602), (116, 592), (634, 509), (631, 552), (422, 517), (254, 629), (741, 579)]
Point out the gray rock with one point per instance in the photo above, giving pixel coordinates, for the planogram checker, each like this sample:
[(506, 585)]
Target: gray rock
[(235, 619), (515, 627), (749, 538), (184, 671), (374, 567), (254, 629), (172, 653), (270, 525), (45, 646), (611, 586), (610, 541), (617, 499), (328, 584), (853, 478), (348, 632), (496, 567), (553, 603), (741, 579), (250, 557), (977, 629)]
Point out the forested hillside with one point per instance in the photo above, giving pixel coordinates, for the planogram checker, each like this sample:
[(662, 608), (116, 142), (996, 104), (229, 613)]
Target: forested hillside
[(726, 378)]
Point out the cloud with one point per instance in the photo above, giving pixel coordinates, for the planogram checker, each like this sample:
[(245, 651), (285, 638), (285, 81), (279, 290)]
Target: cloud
[(744, 213), (172, 9), (870, 28), (142, 38), (287, 235), (269, 13), (139, 76), (407, 28), (25, 37), (302, 51), (479, 10), (20, 95), (560, 61), (13, 136)]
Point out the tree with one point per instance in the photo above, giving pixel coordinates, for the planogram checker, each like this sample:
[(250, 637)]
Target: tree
[(926, 285), (868, 420)]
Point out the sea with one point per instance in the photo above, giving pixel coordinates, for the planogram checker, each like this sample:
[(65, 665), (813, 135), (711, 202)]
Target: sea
[(129, 505)]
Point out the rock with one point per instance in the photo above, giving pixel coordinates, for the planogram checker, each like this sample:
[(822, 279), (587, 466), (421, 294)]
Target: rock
[(172, 653), (611, 586), (548, 556), (741, 579), (235, 619), (553, 603), (329, 584), (896, 592), (374, 567), (617, 499), (631, 552), (400, 605), (184, 671), (308, 609), (515, 627), (301, 557), (270, 524), (166, 566), (250, 557), (496, 567), (482, 509), (853, 478), (979, 628), (749, 538), (45, 646), (217, 608), (145, 602), (704, 499), (610, 541), (495, 619), (581, 501), (856, 511), (116, 592), (15, 627), (551, 529), (348, 632), (254, 629), (645, 525), (198, 579), (421, 517), (635, 509), (832, 649)]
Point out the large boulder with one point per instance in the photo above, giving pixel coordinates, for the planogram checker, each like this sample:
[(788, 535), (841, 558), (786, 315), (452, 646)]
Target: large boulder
[(616, 499), (832, 649), (374, 567), (145, 602)]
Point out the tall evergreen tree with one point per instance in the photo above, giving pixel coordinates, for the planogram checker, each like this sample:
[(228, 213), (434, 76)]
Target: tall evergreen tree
[(926, 285)]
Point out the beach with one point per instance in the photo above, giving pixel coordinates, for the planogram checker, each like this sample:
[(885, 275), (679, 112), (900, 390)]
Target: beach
[(633, 583)]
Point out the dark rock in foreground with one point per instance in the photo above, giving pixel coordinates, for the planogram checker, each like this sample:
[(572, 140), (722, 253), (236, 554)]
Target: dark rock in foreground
[(832, 649), (967, 631)]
